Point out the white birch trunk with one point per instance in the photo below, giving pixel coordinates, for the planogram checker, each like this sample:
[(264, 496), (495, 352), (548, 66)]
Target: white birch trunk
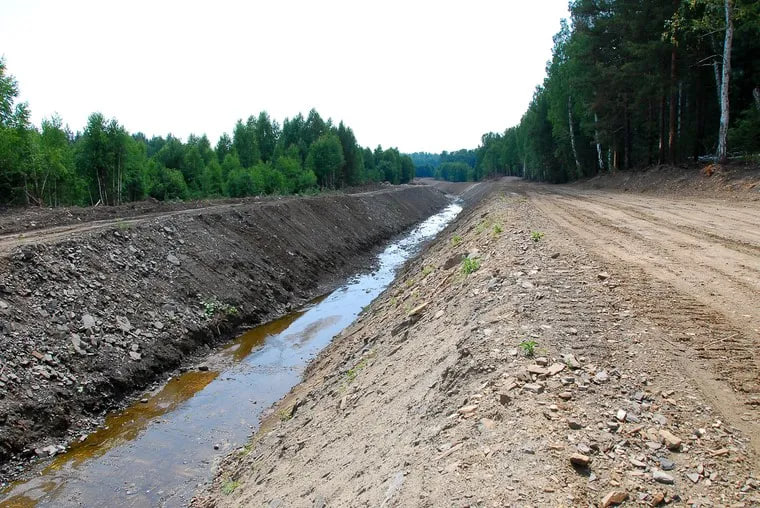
[(716, 72), (724, 85), (756, 95), (572, 133), (598, 144), (680, 104)]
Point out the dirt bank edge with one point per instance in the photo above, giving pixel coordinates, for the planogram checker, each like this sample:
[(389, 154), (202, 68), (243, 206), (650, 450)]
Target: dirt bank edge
[(95, 317)]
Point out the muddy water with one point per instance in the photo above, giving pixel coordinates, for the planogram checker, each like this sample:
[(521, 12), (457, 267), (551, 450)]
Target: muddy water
[(156, 452)]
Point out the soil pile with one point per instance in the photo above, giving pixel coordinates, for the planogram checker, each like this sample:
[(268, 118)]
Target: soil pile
[(513, 364), (98, 314)]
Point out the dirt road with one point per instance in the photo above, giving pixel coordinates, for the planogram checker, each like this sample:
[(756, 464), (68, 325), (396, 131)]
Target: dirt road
[(603, 348)]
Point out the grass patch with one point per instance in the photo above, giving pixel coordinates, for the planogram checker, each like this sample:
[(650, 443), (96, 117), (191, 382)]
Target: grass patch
[(229, 487), (427, 270), (528, 347), (353, 372), (213, 307), (497, 229), (456, 240), (536, 236), (470, 265)]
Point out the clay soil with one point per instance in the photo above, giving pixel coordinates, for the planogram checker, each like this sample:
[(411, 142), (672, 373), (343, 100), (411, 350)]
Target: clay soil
[(603, 349), (93, 312)]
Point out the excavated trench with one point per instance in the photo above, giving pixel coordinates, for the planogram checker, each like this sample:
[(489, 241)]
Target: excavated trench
[(157, 450)]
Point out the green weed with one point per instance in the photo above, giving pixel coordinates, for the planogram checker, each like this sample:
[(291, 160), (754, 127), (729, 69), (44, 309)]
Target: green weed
[(528, 347), (212, 307), (229, 487), (536, 236), (496, 230), (353, 372), (456, 240), (470, 265), (427, 270)]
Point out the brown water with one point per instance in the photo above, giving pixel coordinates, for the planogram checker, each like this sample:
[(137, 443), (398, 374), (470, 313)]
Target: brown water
[(157, 452)]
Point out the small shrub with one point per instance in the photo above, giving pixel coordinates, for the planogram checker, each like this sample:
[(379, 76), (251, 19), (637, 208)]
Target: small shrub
[(427, 270), (481, 227), (456, 240), (229, 487), (470, 265), (497, 229), (536, 236), (213, 307), (528, 347)]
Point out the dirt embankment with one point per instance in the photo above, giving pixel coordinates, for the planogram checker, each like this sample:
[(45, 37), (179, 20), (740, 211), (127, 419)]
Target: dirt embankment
[(737, 180), (560, 372), (89, 317)]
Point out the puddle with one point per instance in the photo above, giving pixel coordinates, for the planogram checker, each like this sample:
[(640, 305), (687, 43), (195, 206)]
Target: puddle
[(157, 452)]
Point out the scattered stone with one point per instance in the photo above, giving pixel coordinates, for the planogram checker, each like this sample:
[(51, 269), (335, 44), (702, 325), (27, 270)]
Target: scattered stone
[(123, 324), (555, 368), (467, 411), (504, 399), (621, 414), (533, 387), (694, 477), (584, 448), (555, 255), (203, 368), (601, 377), (39, 356), (171, 258), (613, 498), (657, 499), (144, 401), (578, 459), (537, 370), (3, 305), (603, 275), (571, 361), (565, 395), (88, 322), (542, 361), (438, 314), (418, 309), (662, 477), (574, 424), (672, 442), (158, 325), (135, 356)]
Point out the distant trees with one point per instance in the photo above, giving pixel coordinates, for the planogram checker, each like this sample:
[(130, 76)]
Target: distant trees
[(633, 83), (105, 164)]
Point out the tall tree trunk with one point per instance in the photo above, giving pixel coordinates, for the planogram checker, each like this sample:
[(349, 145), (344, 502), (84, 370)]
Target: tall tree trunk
[(756, 95), (572, 133), (661, 125), (672, 109), (627, 139), (680, 110), (650, 121), (724, 84), (598, 144)]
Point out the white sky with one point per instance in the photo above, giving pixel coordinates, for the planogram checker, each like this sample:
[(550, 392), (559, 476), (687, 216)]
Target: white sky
[(419, 75)]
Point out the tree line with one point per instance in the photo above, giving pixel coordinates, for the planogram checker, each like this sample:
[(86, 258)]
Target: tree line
[(50, 165), (633, 83)]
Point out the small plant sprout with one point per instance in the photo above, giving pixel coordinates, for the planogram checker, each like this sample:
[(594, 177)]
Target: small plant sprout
[(528, 347), (496, 229), (536, 236), (213, 307), (229, 487), (427, 270), (470, 265), (456, 240)]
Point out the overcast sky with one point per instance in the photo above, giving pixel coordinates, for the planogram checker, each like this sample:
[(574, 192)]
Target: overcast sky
[(419, 75)]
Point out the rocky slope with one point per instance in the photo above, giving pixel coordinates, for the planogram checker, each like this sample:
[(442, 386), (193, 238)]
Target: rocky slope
[(508, 366), (90, 317)]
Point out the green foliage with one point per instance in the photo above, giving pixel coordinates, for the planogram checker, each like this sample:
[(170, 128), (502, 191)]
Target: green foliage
[(353, 372), (536, 235), (104, 164), (528, 347), (229, 487), (630, 84), (456, 240), (470, 265), (212, 307), (496, 230), (427, 270)]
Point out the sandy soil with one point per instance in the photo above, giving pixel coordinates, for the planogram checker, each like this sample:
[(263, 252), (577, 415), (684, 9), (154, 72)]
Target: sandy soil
[(643, 386)]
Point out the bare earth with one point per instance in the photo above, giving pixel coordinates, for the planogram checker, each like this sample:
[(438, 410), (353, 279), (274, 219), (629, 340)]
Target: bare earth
[(644, 315)]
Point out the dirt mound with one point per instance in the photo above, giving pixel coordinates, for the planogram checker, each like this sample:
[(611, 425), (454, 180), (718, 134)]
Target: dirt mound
[(96, 315), (541, 372), (710, 180)]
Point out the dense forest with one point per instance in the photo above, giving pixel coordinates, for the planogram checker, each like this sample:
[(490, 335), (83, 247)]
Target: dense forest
[(104, 163), (632, 83)]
